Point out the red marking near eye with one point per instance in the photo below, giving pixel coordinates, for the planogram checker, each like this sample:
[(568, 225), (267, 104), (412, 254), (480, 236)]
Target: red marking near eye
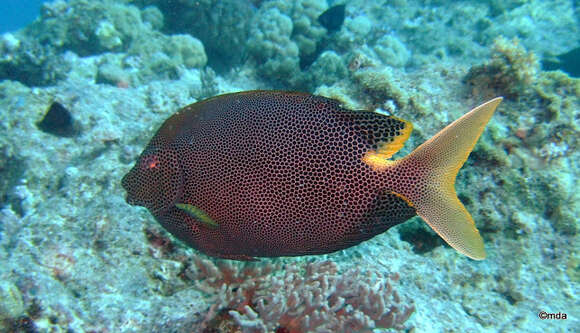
[(320, 105), (151, 162)]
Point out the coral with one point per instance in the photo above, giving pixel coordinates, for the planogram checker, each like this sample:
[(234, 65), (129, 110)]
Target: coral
[(186, 50), (314, 298), (8, 45), (153, 16), (152, 57), (381, 85), (558, 92), (392, 51), (340, 93), (271, 46), (108, 36), (510, 72), (11, 170), (30, 61), (307, 31), (359, 27), (88, 27), (222, 26), (328, 68), (110, 70), (498, 7)]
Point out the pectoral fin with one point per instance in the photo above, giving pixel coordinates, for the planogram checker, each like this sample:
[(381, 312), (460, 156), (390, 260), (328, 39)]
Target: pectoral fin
[(198, 214)]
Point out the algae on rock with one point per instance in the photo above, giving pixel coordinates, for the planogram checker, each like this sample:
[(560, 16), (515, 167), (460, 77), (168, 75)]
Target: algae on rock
[(510, 72)]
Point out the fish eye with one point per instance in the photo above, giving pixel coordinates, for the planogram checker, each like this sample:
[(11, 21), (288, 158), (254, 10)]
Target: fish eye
[(150, 162)]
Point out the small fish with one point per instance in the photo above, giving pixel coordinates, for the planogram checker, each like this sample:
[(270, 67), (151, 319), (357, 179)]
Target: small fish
[(58, 121), (332, 18), (568, 62), (274, 173)]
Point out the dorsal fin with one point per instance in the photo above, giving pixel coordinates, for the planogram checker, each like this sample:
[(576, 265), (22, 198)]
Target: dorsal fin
[(385, 135)]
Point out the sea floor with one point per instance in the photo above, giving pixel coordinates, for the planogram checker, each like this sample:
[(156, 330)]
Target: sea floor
[(75, 257)]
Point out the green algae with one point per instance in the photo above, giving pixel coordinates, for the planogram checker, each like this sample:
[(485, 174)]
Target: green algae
[(510, 72)]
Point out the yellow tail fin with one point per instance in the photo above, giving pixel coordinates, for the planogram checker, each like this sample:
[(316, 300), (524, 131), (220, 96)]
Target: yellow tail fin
[(436, 163)]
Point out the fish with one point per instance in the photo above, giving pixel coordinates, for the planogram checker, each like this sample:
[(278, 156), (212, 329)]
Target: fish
[(332, 18), (58, 121), (277, 173), (568, 62)]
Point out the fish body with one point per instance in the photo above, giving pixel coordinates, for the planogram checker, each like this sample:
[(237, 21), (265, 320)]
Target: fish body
[(568, 62), (270, 173), (332, 18)]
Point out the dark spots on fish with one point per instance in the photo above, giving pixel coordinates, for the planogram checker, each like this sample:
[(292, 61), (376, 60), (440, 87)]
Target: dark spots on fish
[(333, 18), (276, 170), (58, 121), (568, 62)]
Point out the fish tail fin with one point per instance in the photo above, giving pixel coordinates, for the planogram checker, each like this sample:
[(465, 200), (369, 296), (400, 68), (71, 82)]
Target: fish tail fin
[(434, 166)]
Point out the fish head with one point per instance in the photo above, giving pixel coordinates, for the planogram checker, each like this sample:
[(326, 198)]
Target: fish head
[(156, 181)]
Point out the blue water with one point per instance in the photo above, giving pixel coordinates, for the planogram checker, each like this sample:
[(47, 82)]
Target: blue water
[(17, 13)]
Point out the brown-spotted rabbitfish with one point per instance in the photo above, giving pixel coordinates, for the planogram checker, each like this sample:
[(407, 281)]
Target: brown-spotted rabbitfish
[(272, 173)]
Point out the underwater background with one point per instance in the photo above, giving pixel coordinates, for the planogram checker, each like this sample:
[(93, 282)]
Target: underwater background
[(86, 84)]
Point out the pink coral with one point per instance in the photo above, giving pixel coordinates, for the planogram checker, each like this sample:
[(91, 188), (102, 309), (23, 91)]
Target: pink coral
[(311, 298)]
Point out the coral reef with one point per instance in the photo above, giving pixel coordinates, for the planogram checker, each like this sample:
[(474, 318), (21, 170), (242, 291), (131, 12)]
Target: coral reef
[(327, 69), (316, 298), (307, 33), (222, 26), (102, 27), (392, 51), (88, 27), (70, 247), (11, 305), (271, 45), (511, 71), (30, 61), (381, 85)]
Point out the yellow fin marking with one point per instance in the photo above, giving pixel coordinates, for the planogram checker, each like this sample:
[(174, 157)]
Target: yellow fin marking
[(379, 159), (197, 214), (404, 198)]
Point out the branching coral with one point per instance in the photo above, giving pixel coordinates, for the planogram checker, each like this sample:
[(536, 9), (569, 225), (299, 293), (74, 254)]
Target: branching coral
[(314, 298)]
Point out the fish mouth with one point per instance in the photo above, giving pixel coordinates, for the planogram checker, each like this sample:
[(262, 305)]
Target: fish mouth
[(131, 197), (135, 196)]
